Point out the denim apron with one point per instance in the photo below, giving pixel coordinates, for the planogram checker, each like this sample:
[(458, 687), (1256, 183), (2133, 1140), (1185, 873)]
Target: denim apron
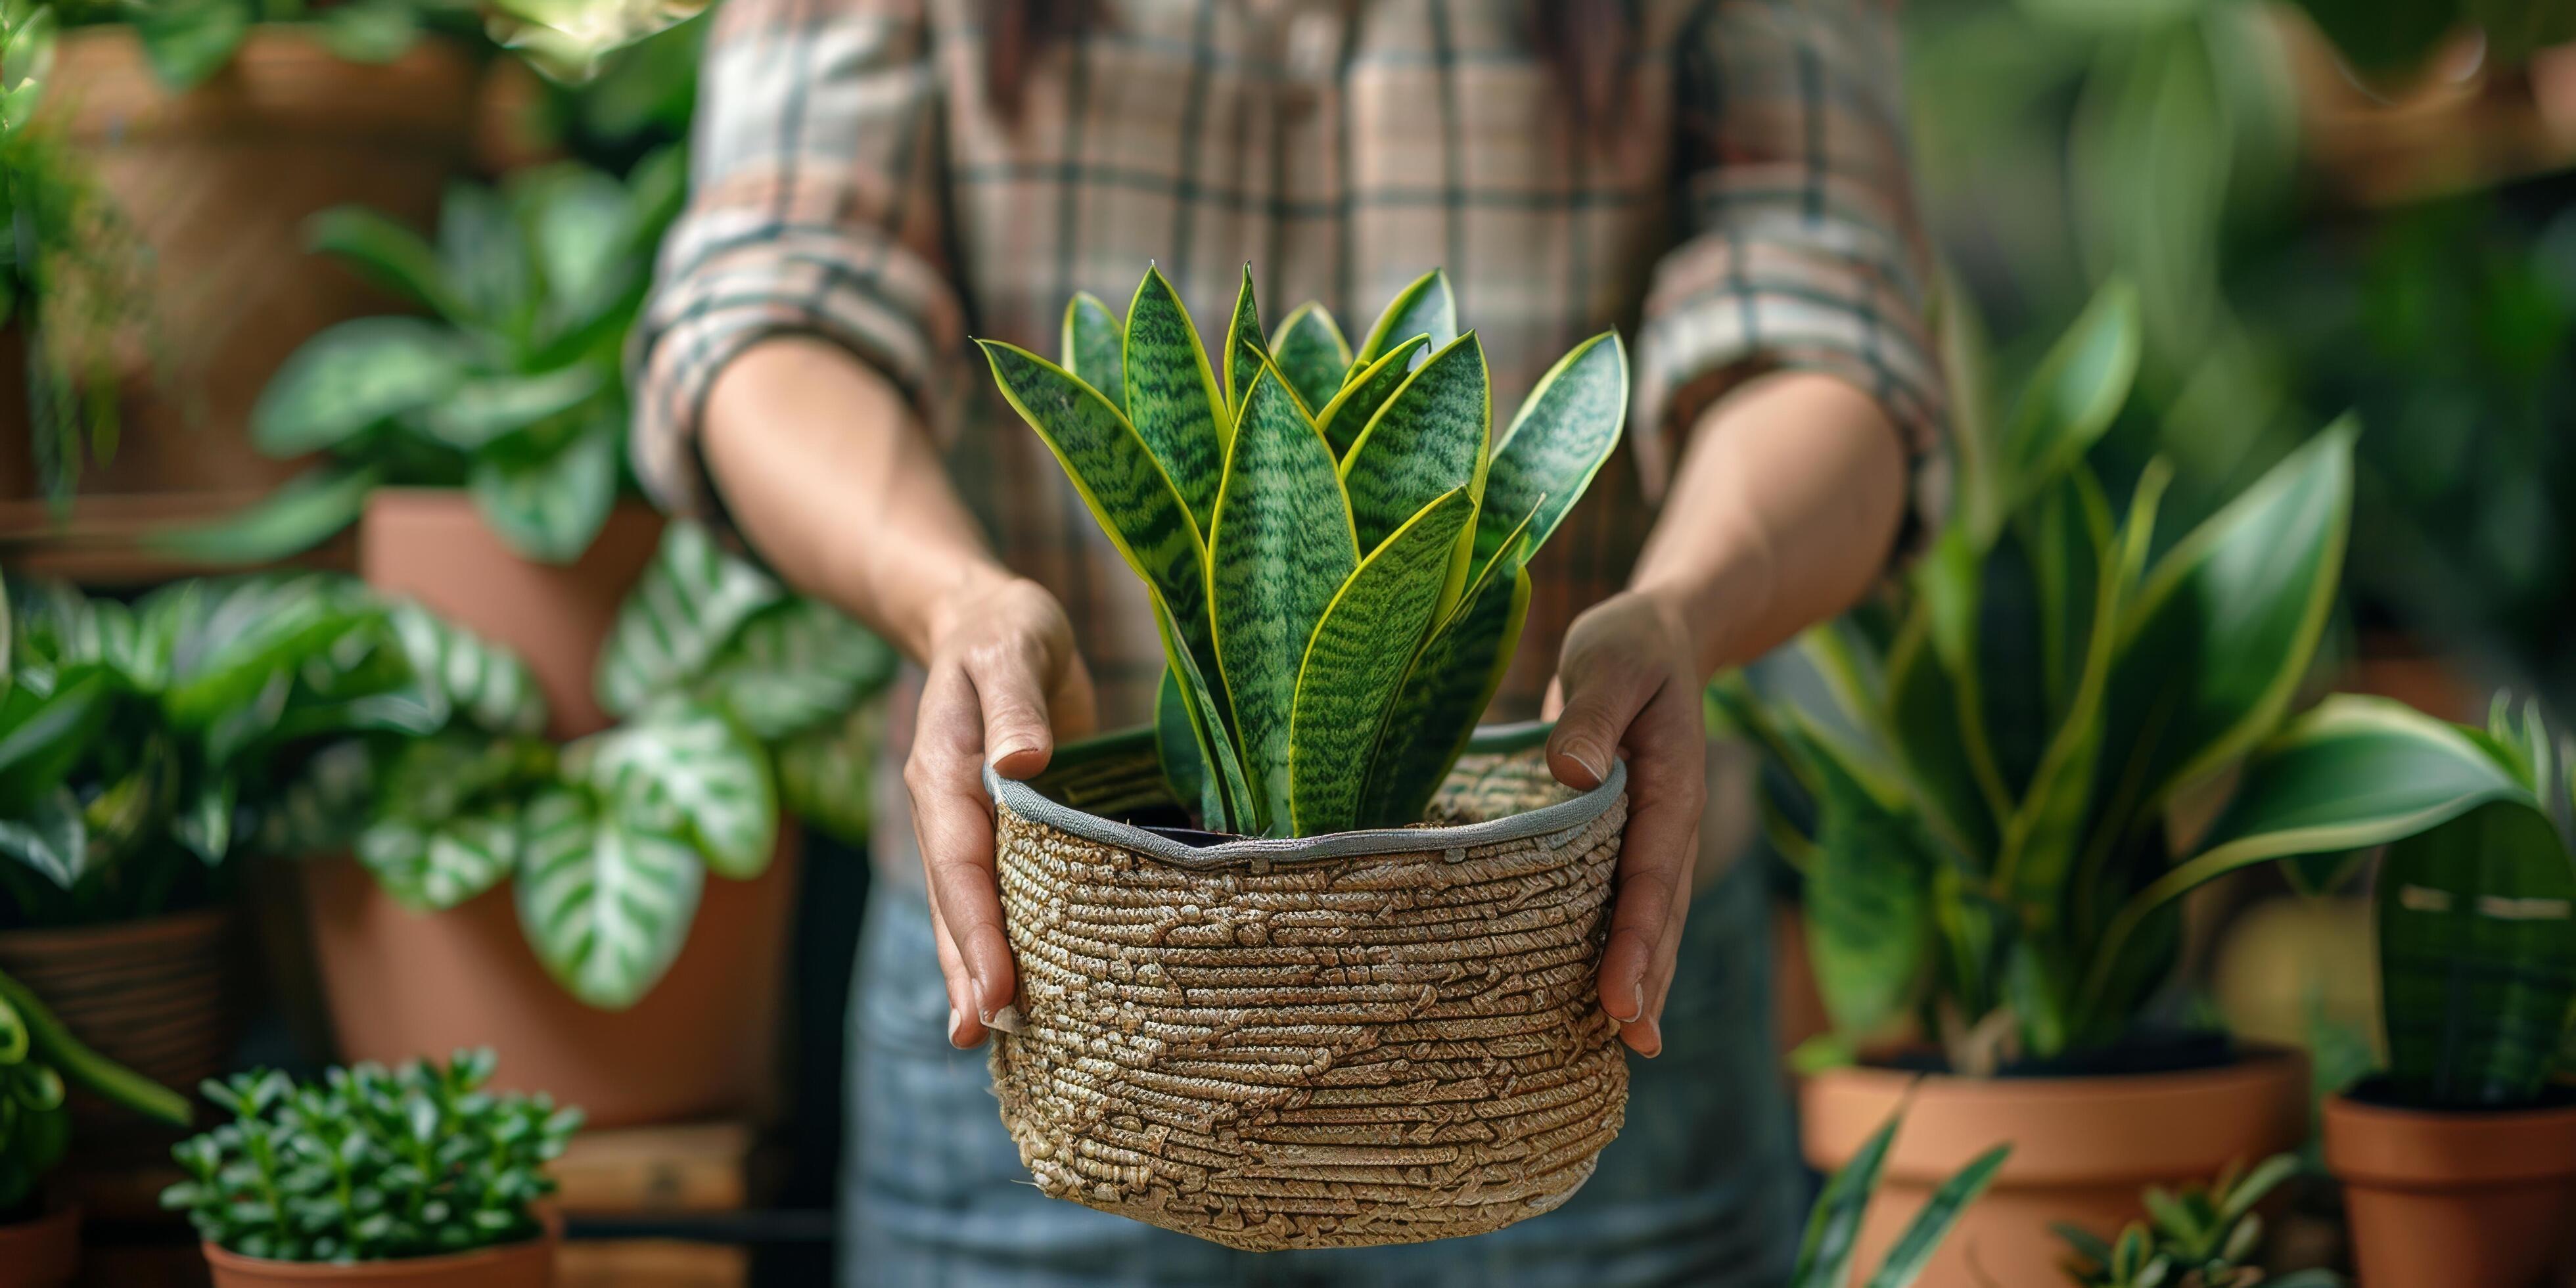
[(1701, 1188)]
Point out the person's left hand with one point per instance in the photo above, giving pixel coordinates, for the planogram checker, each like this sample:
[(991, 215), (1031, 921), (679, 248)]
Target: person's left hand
[(1629, 686)]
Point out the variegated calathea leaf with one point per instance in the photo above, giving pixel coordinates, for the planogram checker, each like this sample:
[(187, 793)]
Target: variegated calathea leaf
[(795, 666), (460, 676), (605, 903), (548, 503), (322, 805), (681, 614), (685, 770), (824, 772), (445, 823)]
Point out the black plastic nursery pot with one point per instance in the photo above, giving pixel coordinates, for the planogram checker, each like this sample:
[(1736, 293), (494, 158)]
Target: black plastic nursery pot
[(1364, 1038)]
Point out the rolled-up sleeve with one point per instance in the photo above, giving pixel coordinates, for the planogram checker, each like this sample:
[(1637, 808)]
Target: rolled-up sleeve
[(815, 209), (1799, 247)]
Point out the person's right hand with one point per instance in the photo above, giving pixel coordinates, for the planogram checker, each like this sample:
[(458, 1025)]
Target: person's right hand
[(1004, 684)]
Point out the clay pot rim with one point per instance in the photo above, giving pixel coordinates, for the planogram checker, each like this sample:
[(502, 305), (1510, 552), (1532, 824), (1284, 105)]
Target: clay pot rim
[(2401, 1147), (282, 73), (56, 1215), (160, 927), (2253, 1062), (544, 1241)]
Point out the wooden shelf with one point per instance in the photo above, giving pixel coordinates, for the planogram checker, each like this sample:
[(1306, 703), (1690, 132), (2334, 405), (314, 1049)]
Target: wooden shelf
[(109, 541)]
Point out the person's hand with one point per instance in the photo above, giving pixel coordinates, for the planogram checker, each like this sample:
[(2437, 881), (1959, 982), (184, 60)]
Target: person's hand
[(1004, 683), (1629, 686)]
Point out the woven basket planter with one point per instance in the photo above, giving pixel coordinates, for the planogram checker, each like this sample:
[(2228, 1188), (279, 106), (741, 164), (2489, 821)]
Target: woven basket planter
[(1367, 1038)]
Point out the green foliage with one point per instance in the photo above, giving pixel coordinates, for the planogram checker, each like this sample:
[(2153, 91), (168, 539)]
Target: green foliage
[(188, 41), (1982, 785), (369, 1164), (1333, 538), (1832, 1240), (512, 388), (39, 1060), (2202, 1236), (574, 39)]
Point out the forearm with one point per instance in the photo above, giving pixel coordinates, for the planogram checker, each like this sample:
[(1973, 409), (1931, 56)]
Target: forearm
[(830, 475), (1782, 513)]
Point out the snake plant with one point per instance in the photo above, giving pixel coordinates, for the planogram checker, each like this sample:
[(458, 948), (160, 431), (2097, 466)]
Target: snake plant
[(39, 1061), (1984, 783), (1333, 537), (1828, 1250)]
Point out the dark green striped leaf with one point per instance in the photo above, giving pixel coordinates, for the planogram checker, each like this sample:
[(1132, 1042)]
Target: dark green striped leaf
[(1241, 806), (1869, 904), (1565, 429), (1832, 1238), (1281, 547), (1359, 655), (1128, 491), (1180, 748), (1173, 399), (1243, 352), (1446, 691), (1922, 1237), (2072, 397), (1357, 402), (1424, 307), (1427, 440), (606, 905), (1095, 341), (2477, 949), (1312, 354)]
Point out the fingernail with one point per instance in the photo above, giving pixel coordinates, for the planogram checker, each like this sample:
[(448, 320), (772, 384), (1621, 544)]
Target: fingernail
[(956, 1029), (1592, 761), (1654, 1044), (1636, 1009), (1007, 752), (1006, 1020)]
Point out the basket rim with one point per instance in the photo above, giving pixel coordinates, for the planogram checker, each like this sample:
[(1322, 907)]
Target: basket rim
[(1264, 851)]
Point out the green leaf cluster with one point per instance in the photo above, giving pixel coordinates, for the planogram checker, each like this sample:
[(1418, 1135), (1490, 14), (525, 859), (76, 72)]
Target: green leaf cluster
[(188, 41), (39, 1061), (1832, 1240), (2199, 1236), (1982, 778), (1333, 537), (511, 388), (371, 1164), (793, 672)]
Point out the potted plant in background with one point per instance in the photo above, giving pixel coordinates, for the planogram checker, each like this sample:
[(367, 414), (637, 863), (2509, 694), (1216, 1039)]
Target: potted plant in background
[(39, 1062), (1332, 538), (159, 98), (2204, 1235), (1985, 786), (2459, 1161), (419, 1176), (1828, 1252)]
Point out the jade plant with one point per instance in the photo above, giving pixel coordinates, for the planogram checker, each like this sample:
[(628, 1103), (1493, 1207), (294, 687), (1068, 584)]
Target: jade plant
[(793, 672), (1333, 537), (512, 389), (2197, 1236), (1832, 1241), (371, 1164), (39, 1061), (1985, 782)]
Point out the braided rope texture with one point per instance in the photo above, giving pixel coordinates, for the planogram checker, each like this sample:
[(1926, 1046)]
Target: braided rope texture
[(1360, 1051)]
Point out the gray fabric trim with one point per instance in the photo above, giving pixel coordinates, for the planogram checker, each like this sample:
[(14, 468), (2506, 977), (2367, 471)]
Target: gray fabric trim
[(1262, 852)]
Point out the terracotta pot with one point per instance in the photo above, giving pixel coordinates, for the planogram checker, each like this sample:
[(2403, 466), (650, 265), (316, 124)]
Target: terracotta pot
[(702, 1043), (520, 1265), (432, 545), (43, 1253), (2474, 1197), (219, 182), (2082, 1150), (155, 995)]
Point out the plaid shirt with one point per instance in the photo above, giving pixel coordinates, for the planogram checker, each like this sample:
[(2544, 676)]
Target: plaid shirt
[(1746, 211)]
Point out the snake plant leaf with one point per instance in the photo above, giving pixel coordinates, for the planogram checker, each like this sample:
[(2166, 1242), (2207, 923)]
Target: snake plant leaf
[(1178, 410), (462, 676), (2064, 534), (353, 377), (548, 507), (1926, 721), (1244, 354), (1242, 807), (1281, 546), (1359, 655), (2477, 945), (823, 773), (1352, 407), (2350, 773), (1447, 688), (2070, 399), (794, 666), (685, 770), (1563, 432), (1119, 477), (2218, 638), (1424, 307), (1832, 1237), (605, 904), (691, 602), (1430, 438), (51, 837), (1869, 900), (1905, 1262), (1180, 751), (1311, 353), (1095, 342)]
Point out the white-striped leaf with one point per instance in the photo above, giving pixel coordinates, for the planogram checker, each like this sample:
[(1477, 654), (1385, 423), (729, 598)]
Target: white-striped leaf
[(679, 616), (549, 507), (795, 666), (461, 676), (823, 773), (605, 904), (685, 770), (435, 866)]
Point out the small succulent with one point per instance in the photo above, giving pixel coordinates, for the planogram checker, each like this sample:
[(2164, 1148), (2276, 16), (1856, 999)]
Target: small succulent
[(39, 1061), (1333, 536), (1826, 1253), (2202, 1236), (371, 1164)]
